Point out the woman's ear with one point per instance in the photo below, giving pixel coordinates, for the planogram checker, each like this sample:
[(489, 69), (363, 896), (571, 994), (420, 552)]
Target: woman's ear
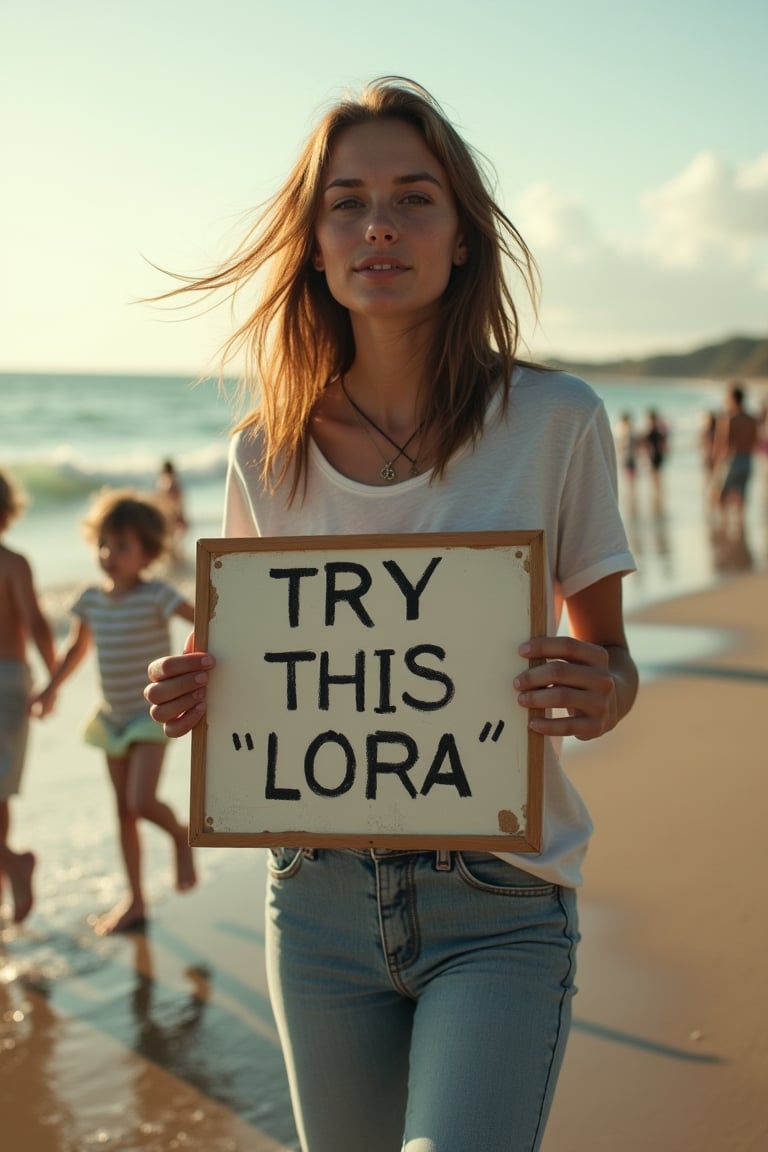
[(460, 252), (317, 262)]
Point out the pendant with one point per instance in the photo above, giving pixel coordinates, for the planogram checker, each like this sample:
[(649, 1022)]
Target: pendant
[(387, 472)]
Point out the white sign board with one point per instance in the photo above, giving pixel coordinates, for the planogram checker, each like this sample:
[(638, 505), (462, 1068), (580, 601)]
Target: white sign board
[(363, 692)]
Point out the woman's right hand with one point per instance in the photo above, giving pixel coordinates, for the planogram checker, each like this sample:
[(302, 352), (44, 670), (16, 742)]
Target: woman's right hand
[(177, 691)]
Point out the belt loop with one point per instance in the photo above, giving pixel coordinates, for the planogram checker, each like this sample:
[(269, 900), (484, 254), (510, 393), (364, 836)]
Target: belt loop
[(442, 860)]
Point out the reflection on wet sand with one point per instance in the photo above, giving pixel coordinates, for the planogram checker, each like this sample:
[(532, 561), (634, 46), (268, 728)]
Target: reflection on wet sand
[(133, 1047), (731, 551), (650, 541), (29, 1031)]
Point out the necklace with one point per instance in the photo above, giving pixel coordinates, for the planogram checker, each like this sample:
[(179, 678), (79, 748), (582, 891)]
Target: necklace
[(388, 470)]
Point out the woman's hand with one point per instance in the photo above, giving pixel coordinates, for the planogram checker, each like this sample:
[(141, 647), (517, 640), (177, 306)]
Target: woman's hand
[(575, 676), (178, 689)]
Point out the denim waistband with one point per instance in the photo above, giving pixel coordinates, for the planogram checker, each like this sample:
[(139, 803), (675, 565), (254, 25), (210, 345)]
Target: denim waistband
[(442, 856)]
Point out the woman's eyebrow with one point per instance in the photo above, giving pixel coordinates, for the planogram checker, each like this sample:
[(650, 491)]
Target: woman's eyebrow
[(409, 178)]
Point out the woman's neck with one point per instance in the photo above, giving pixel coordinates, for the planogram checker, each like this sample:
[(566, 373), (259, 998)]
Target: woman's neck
[(388, 374)]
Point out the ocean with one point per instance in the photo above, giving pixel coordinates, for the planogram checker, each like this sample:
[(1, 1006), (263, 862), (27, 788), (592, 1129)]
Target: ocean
[(63, 437), (63, 990)]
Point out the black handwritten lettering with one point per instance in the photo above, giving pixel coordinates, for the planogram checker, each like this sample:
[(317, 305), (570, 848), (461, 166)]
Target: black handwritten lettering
[(393, 754), (377, 767), (310, 759), (294, 577), (412, 663), (411, 592), (237, 742), (327, 678), (271, 790), (456, 777), (486, 731), (290, 659), (353, 596), (385, 680)]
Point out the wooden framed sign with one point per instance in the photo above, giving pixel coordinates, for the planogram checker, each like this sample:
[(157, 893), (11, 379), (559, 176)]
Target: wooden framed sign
[(363, 692)]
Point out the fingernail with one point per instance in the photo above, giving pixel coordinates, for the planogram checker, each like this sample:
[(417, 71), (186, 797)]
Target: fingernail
[(524, 649), (207, 662)]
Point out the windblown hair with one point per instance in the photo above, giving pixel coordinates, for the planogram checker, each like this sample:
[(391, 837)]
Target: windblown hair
[(12, 501), (298, 338), (123, 510)]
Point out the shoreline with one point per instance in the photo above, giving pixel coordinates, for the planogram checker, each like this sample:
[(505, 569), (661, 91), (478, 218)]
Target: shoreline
[(165, 1038), (138, 1041)]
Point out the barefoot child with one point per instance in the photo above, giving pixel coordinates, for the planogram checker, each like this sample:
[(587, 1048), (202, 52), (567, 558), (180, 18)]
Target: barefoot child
[(21, 620), (127, 618)]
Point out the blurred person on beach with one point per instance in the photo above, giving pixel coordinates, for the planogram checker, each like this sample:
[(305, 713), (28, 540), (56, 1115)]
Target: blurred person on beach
[(172, 497), (626, 450), (423, 998), (762, 420), (127, 618), (707, 443), (21, 621), (655, 440), (736, 441)]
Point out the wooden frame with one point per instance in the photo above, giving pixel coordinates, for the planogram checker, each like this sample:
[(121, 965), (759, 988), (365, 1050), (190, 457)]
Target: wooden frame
[(363, 692)]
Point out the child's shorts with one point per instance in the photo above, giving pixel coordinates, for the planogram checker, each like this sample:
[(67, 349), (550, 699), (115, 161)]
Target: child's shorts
[(15, 688), (115, 740)]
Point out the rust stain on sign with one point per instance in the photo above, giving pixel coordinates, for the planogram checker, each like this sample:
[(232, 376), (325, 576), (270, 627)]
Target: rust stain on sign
[(213, 595), (508, 822), (519, 554)]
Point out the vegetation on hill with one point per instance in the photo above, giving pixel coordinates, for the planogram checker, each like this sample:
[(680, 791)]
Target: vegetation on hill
[(738, 356)]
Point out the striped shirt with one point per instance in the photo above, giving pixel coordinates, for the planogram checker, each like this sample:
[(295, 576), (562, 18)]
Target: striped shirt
[(129, 631)]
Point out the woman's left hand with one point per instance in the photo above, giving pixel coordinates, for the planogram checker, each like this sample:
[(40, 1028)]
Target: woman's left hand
[(575, 676)]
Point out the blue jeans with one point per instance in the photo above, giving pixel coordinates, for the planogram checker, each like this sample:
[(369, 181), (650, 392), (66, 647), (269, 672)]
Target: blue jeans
[(423, 999)]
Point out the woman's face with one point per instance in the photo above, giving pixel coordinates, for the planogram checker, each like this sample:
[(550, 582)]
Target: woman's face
[(387, 230)]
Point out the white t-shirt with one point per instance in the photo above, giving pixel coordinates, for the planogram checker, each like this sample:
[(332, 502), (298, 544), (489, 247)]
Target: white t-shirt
[(548, 463)]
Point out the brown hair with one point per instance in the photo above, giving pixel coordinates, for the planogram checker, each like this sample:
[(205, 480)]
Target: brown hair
[(298, 338), (128, 511), (12, 501)]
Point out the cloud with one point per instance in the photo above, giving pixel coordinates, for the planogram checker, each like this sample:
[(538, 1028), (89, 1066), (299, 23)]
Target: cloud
[(710, 208), (697, 271)]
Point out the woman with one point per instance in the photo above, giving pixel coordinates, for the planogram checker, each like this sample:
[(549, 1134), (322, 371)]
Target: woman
[(423, 999)]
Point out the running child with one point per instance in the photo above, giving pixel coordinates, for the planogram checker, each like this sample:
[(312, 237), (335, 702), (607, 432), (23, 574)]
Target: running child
[(127, 618)]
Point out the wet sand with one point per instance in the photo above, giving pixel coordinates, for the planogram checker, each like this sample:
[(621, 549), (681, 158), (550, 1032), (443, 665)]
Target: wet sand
[(670, 1045), (165, 1040)]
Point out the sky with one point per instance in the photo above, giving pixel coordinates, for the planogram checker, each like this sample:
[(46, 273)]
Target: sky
[(629, 143)]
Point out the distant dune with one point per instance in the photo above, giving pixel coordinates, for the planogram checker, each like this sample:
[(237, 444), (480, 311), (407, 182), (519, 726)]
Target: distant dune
[(737, 356)]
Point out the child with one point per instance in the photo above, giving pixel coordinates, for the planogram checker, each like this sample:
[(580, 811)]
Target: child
[(127, 617), (20, 620)]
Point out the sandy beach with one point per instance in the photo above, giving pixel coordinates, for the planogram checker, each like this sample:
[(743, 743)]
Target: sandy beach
[(165, 1040), (669, 1049)]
